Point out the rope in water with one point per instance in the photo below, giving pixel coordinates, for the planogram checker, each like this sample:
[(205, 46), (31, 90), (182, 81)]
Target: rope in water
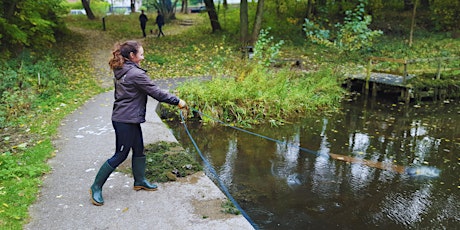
[(412, 171), (213, 171), (428, 171), (256, 134)]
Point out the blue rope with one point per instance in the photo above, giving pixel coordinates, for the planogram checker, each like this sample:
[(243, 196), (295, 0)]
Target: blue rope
[(213, 171)]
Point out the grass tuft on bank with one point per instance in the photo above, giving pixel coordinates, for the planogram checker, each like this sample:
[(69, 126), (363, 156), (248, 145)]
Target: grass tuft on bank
[(264, 96)]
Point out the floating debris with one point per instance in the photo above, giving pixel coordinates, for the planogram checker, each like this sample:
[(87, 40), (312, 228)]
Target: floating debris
[(423, 171)]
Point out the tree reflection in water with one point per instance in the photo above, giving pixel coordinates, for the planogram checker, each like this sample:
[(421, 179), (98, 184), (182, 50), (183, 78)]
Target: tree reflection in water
[(359, 177)]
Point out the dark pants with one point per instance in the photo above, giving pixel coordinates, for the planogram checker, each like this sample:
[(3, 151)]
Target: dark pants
[(143, 30), (128, 136), (160, 31)]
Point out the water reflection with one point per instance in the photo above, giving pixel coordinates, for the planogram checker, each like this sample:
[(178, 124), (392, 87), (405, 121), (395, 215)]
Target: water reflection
[(374, 165), (226, 171), (405, 209), (284, 166)]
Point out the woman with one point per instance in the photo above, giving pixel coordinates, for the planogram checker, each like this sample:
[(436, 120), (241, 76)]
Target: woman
[(132, 86)]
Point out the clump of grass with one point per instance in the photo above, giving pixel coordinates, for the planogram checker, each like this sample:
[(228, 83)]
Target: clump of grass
[(167, 161), (264, 96), (229, 207)]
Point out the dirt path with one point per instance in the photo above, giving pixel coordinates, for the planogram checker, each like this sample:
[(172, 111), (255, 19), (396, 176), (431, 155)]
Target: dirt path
[(99, 45)]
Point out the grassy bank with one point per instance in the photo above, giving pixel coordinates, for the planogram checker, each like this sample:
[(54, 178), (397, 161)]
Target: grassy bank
[(32, 115)]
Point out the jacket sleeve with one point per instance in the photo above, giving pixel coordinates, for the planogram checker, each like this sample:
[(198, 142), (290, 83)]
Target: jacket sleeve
[(145, 84)]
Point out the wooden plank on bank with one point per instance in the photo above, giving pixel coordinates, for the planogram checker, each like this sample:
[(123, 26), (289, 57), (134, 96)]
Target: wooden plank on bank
[(186, 22), (401, 61)]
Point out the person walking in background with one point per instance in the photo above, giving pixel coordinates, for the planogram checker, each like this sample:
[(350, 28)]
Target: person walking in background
[(143, 20), (160, 20), (132, 87)]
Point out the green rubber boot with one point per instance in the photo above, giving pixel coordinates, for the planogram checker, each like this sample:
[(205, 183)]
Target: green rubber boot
[(139, 175), (101, 178)]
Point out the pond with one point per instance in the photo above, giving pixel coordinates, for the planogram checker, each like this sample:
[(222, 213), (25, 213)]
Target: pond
[(373, 164)]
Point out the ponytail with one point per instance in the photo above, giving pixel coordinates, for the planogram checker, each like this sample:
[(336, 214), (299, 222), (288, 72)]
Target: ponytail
[(121, 53)]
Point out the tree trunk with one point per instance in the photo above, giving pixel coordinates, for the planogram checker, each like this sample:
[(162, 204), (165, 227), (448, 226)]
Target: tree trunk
[(408, 4), (133, 6), (173, 10), (89, 12), (184, 8), (225, 4), (425, 4), (278, 9), (309, 9), (258, 21), (212, 15), (244, 22), (412, 24)]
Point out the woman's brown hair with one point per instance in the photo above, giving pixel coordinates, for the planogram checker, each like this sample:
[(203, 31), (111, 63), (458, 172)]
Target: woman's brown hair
[(121, 53)]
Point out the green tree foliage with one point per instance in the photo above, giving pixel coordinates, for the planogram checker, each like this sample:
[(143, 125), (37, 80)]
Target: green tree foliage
[(29, 23), (285, 17), (166, 7), (445, 14), (355, 33), (98, 7)]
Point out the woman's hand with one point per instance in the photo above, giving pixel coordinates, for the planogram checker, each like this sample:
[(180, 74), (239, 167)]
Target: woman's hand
[(184, 108)]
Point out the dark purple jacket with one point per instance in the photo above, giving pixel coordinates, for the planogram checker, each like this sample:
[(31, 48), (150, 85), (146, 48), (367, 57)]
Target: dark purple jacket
[(132, 86)]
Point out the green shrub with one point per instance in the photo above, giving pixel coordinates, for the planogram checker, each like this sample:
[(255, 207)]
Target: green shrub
[(265, 50), (30, 23), (353, 35)]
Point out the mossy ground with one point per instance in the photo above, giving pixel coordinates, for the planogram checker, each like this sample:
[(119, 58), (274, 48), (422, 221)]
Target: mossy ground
[(166, 162)]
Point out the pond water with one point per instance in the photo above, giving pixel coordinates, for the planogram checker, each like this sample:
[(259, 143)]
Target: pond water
[(373, 165)]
